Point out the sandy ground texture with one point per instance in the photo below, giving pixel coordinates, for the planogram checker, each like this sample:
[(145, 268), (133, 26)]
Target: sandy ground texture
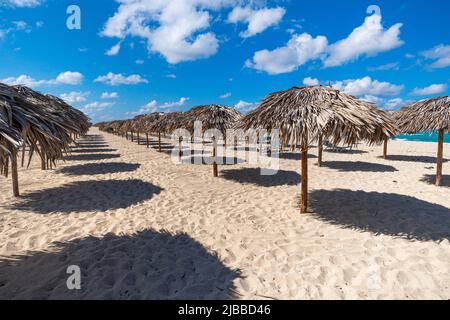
[(140, 226)]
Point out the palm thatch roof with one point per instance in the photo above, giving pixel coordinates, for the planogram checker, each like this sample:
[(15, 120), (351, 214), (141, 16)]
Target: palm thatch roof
[(168, 122), (425, 116), (302, 114), (212, 116), (44, 123)]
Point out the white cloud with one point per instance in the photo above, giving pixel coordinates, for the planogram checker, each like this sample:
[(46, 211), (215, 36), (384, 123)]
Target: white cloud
[(154, 106), (368, 39), (225, 95), (22, 3), (385, 67), (171, 76), (299, 50), (430, 90), (368, 87), (139, 61), (93, 107), (396, 103), (75, 97), (114, 51), (311, 81), (441, 55), (68, 77), (176, 29), (258, 20), (244, 106), (39, 24), (109, 95), (113, 79)]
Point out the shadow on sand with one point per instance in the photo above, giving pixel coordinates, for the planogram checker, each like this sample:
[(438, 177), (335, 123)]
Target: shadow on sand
[(91, 157), (431, 179), (93, 150), (205, 160), (90, 145), (99, 168), (424, 159), (85, 196), (350, 166), (382, 213), (294, 156), (254, 176), (345, 151), (146, 265)]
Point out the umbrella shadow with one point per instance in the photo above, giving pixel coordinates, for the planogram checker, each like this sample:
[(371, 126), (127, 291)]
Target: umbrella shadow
[(382, 213), (99, 168), (150, 265), (255, 176), (206, 160), (431, 179), (90, 145), (345, 151), (294, 156), (93, 150), (86, 196), (345, 166), (424, 159), (91, 157)]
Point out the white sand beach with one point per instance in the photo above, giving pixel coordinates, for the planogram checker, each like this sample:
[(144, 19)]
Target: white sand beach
[(142, 227)]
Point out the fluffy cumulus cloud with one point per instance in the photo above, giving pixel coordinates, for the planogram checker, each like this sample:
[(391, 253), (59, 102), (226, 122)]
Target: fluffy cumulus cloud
[(430, 90), (22, 3), (368, 87), (369, 39), (176, 29), (299, 50), (308, 81), (225, 95), (114, 51), (109, 95), (114, 79), (154, 106), (94, 107), (244, 106), (68, 78), (258, 20), (75, 97), (441, 55)]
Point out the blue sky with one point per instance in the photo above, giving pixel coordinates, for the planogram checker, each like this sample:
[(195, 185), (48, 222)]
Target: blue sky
[(138, 56)]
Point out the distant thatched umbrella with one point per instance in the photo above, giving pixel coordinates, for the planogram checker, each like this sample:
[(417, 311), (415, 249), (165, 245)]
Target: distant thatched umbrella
[(146, 121), (305, 114), (428, 115), (167, 123), (216, 117), (393, 114)]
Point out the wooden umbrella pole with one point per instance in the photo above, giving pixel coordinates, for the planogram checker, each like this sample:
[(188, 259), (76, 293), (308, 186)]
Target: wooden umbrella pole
[(159, 141), (215, 168), (320, 153), (43, 162), (132, 136), (138, 138), (385, 148), (14, 173), (304, 195), (146, 137), (180, 152), (440, 156)]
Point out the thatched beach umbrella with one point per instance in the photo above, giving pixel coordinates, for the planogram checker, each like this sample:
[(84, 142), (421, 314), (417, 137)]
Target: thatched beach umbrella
[(166, 124), (42, 123), (215, 117), (146, 122), (303, 114), (430, 115)]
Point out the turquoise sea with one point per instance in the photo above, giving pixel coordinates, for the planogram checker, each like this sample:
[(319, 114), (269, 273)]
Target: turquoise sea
[(424, 137)]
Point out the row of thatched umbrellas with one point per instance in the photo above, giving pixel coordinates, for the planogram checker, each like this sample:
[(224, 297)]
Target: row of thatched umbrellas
[(43, 124), (302, 116)]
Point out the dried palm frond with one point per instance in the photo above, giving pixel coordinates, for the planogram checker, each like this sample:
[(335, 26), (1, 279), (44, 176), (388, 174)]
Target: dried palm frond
[(212, 117)]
